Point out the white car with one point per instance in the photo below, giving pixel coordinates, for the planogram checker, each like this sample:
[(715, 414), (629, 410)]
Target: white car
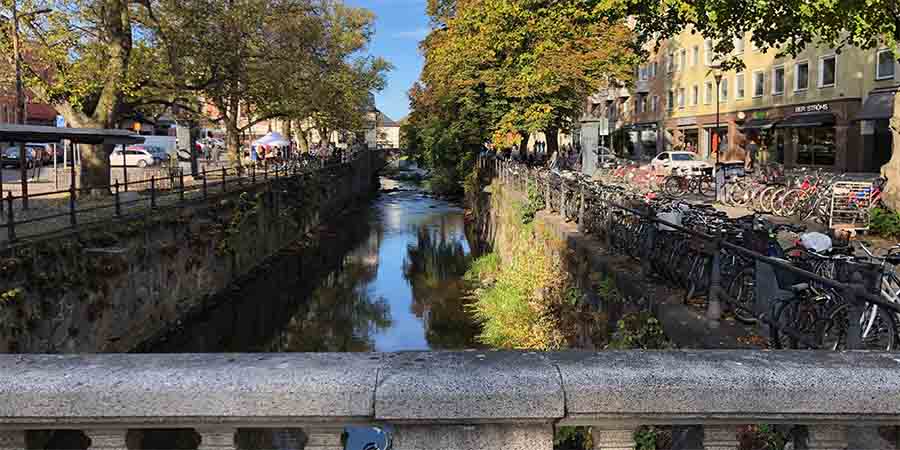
[(134, 156), (666, 162)]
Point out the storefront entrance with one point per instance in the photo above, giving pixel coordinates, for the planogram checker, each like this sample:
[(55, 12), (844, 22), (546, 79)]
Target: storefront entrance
[(816, 146), (691, 139)]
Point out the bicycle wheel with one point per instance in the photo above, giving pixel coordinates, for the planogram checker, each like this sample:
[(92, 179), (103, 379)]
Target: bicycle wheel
[(742, 290), (706, 187), (674, 185), (878, 328)]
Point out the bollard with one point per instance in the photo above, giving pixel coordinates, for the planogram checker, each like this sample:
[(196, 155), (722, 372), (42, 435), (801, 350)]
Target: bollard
[(204, 183), (153, 192), (10, 218), (73, 221), (181, 185), (116, 195), (714, 306)]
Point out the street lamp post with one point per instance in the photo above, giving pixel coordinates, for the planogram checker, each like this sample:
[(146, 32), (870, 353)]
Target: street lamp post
[(717, 74)]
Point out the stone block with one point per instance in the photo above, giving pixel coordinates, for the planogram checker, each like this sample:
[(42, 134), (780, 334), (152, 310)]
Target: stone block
[(730, 383), (318, 385), (468, 386)]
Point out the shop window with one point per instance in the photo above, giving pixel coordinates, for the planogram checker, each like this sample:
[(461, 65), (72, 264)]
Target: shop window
[(827, 71), (778, 80), (801, 77), (709, 92), (739, 86), (885, 65), (695, 97), (815, 146), (759, 83)]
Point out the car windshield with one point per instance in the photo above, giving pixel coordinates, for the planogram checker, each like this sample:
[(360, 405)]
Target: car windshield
[(682, 157)]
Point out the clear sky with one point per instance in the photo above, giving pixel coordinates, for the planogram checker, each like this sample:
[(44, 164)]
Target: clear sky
[(399, 27)]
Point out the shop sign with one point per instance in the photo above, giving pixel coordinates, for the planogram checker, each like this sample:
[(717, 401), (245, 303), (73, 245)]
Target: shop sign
[(760, 115), (816, 107), (685, 121)]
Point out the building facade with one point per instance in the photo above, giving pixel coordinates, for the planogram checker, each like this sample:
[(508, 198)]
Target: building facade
[(823, 108)]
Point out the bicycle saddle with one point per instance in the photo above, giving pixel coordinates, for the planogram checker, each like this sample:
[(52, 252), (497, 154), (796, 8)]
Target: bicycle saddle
[(799, 287)]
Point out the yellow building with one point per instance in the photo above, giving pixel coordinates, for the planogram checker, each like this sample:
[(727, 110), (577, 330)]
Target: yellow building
[(822, 108)]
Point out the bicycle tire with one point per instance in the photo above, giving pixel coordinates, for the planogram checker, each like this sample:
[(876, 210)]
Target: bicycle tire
[(743, 290)]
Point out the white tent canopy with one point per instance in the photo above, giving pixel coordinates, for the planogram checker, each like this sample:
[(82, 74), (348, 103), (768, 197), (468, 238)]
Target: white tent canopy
[(273, 139)]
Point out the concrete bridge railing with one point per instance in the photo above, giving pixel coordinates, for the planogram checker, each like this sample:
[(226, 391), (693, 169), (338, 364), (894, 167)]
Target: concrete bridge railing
[(465, 400)]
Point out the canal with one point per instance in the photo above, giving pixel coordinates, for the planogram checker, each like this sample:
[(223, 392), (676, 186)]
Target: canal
[(389, 279)]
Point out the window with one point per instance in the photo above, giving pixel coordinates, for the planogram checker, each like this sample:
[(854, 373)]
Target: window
[(643, 73), (801, 76), (884, 62), (695, 60), (681, 98), (759, 82), (723, 90), (671, 100), (708, 52), (778, 80), (738, 45), (653, 70), (655, 103), (695, 97), (683, 59), (670, 62), (709, 92), (816, 146), (739, 86), (827, 71)]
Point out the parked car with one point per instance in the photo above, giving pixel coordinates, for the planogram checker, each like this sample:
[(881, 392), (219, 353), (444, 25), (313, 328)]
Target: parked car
[(665, 162), (133, 156), (10, 157), (157, 152)]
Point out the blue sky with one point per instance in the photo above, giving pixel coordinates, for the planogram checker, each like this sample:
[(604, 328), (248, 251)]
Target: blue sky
[(399, 27)]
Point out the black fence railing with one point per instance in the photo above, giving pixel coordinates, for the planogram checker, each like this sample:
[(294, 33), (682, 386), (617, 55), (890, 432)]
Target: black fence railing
[(835, 303), (132, 198)]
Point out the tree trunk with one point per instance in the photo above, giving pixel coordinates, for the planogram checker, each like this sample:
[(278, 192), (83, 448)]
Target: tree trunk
[(232, 139), (95, 169), (891, 170), (523, 143), (552, 135), (302, 139)]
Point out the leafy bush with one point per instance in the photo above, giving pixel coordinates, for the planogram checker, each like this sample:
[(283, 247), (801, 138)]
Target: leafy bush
[(534, 203), (885, 223), (639, 331)]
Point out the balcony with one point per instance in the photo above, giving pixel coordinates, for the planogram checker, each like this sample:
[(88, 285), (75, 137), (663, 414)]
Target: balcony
[(444, 400)]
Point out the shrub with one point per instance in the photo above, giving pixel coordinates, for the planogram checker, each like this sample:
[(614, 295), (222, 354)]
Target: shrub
[(639, 331), (885, 222), (534, 203)]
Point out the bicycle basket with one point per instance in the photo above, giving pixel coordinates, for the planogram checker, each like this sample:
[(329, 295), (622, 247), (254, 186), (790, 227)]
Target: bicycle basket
[(787, 278)]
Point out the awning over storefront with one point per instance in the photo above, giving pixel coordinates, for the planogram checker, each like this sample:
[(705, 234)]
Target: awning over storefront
[(802, 120), (757, 124), (879, 106)]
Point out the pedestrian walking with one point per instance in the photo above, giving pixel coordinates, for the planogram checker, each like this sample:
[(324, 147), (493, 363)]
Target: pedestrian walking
[(752, 152)]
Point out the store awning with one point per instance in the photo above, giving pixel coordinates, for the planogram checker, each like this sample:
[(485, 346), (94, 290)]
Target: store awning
[(879, 106), (757, 124), (37, 133), (807, 120)]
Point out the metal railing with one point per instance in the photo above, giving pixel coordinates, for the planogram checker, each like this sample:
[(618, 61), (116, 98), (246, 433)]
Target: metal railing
[(854, 291), (153, 194)]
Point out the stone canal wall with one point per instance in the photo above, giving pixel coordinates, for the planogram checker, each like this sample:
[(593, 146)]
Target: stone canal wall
[(108, 290), (611, 285)]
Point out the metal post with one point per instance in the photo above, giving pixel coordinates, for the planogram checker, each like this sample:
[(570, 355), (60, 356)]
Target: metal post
[(23, 173), (10, 218), (253, 175), (714, 307), (124, 169), (718, 182), (153, 192), (181, 184), (73, 221), (116, 193), (204, 182)]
